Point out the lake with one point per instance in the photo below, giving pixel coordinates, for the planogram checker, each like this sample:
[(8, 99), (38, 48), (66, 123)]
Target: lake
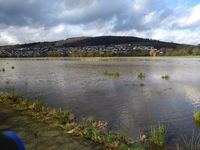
[(128, 107)]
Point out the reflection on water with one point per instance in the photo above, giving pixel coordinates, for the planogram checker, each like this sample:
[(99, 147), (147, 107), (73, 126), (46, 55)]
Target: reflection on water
[(83, 88)]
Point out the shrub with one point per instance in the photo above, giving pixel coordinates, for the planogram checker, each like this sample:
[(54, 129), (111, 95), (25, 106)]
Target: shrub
[(13, 67)]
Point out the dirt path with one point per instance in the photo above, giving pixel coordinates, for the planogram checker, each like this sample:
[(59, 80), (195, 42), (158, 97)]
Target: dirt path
[(39, 136)]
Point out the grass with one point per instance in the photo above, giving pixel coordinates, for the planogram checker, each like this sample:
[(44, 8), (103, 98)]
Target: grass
[(112, 74), (190, 143), (197, 116), (165, 77), (141, 84), (88, 128), (141, 76), (63, 118), (3, 69), (7, 82), (158, 135)]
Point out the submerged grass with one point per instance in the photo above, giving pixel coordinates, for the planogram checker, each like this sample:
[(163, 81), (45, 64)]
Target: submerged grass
[(88, 128), (112, 74), (190, 143)]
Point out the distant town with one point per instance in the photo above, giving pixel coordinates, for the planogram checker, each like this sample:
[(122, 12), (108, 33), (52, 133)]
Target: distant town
[(80, 51), (99, 47)]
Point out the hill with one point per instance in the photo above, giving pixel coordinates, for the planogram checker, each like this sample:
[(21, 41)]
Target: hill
[(101, 40), (98, 46)]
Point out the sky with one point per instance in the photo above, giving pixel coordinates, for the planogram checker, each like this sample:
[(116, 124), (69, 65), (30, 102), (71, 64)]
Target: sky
[(25, 21)]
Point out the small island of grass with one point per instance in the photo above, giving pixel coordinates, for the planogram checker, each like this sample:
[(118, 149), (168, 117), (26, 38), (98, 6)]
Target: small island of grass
[(112, 74), (158, 135), (141, 76), (197, 116), (165, 77)]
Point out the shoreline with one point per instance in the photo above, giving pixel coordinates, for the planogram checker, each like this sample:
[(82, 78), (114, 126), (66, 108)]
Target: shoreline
[(88, 129), (94, 134), (95, 58), (37, 135)]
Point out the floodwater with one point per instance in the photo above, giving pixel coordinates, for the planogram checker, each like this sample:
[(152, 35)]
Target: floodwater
[(82, 87)]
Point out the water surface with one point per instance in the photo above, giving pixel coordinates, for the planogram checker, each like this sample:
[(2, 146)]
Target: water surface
[(82, 87)]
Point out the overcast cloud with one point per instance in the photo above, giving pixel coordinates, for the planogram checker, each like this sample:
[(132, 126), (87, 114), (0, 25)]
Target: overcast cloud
[(23, 21)]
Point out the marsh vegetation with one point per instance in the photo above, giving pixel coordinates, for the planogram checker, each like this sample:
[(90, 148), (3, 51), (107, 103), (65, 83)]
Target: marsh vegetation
[(85, 88), (141, 84), (141, 76), (197, 116), (88, 128), (112, 74), (190, 142), (165, 77), (3, 69), (158, 135)]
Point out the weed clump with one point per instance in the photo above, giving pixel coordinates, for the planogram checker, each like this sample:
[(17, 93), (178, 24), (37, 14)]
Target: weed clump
[(3, 69), (141, 76), (90, 121), (112, 74), (158, 135), (141, 84), (190, 143), (165, 77), (63, 118), (197, 116), (37, 106)]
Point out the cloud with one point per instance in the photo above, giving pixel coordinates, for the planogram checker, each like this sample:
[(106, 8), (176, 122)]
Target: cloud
[(25, 21), (191, 19)]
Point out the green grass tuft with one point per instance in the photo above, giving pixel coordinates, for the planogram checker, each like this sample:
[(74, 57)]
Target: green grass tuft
[(63, 118), (141, 76), (3, 69), (112, 74), (141, 84), (158, 135), (190, 143), (165, 77), (197, 116)]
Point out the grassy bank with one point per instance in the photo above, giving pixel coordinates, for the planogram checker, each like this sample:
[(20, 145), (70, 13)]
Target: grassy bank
[(88, 128), (94, 58)]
